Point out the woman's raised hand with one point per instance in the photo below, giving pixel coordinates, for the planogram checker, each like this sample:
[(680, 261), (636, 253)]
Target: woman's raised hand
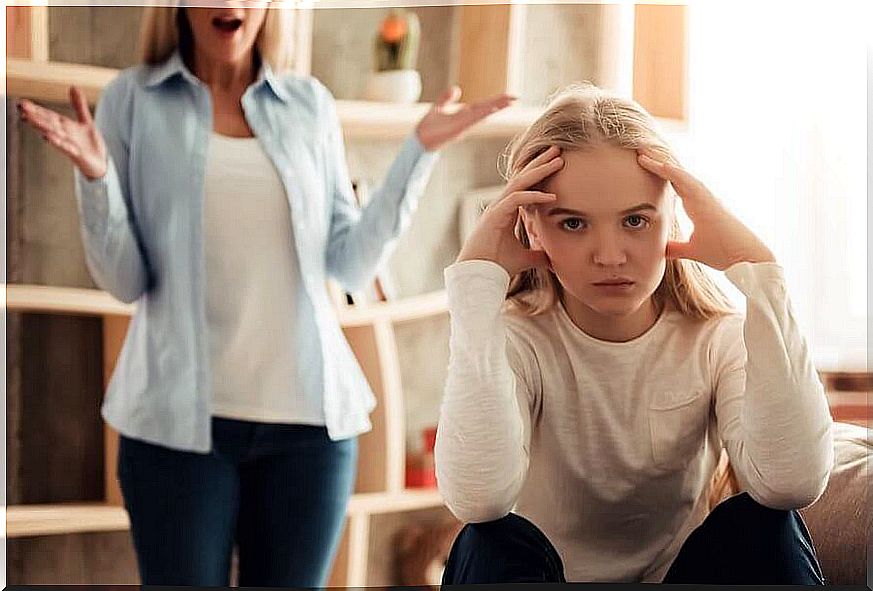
[(79, 139), (439, 126), (719, 239), (493, 238)]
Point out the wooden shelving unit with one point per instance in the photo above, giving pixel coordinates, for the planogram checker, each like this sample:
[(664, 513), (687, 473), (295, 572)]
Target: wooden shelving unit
[(380, 484)]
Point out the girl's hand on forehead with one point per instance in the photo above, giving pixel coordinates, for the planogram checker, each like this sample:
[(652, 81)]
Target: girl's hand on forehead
[(719, 239), (493, 238)]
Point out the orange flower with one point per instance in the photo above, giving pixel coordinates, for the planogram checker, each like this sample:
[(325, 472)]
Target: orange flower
[(393, 28)]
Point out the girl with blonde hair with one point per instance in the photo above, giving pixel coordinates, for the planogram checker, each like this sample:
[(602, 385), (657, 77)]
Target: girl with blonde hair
[(597, 373), (213, 191)]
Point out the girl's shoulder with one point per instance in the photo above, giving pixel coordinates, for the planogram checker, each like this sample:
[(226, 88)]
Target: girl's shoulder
[(530, 328)]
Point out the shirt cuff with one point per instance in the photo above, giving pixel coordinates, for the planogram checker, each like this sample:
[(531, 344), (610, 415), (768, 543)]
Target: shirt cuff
[(94, 199), (414, 151), (476, 286), (758, 280)]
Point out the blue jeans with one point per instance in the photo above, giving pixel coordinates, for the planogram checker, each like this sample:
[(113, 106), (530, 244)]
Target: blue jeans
[(278, 491), (740, 542)]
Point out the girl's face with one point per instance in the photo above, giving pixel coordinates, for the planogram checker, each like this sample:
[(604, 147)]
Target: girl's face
[(227, 33), (606, 233)]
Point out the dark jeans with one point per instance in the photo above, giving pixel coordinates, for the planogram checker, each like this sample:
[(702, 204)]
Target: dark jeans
[(740, 542), (278, 491)]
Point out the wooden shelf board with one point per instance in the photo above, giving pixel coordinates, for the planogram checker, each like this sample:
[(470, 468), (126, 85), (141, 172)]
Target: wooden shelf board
[(407, 500), (64, 300), (67, 518), (64, 518), (411, 308), (50, 81), (73, 300)]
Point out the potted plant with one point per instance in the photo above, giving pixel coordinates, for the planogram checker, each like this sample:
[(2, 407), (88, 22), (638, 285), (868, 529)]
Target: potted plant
[(396, 52)]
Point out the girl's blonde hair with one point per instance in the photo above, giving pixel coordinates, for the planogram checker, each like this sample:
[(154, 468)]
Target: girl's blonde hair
[(583, 116), (164, 28)]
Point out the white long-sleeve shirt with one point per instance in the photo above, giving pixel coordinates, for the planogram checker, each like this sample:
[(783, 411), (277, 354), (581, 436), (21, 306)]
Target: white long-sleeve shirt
[(609, 447)]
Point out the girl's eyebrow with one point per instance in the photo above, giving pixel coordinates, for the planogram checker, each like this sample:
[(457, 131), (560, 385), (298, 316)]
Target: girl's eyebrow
[(576, 212)]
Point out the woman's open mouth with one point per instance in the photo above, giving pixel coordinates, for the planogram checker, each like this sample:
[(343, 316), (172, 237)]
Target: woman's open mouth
[(227, 25)]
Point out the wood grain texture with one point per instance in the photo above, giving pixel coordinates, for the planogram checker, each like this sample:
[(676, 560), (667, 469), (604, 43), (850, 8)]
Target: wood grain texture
[(490, 49), (61, 433), (661, 59), (105, 558), (114, 331)]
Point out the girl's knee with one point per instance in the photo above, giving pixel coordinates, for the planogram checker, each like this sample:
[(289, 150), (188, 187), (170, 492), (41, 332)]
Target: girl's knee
[(509, 549), (741, 510), (495, 535), (742, 518)]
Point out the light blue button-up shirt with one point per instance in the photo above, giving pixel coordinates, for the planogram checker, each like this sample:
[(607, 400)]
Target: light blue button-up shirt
[(142, 228)]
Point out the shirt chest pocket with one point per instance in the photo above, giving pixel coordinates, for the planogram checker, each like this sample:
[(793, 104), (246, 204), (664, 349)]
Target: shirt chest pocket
[(677, 424)]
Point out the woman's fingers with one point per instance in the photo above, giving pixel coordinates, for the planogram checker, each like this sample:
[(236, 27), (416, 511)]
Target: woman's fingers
[(449, 96), (475, 112), (64, 144), (80, 104), (44, 120)]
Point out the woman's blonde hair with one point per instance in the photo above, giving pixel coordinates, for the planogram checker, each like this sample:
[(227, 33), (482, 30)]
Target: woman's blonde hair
[(580, 117), (164, 28)]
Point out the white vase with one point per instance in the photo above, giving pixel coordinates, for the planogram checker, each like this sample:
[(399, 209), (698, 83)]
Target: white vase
[(394, 86)]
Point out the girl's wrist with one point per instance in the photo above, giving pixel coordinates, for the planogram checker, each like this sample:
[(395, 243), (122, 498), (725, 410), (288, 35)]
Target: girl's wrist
[(762, 255)]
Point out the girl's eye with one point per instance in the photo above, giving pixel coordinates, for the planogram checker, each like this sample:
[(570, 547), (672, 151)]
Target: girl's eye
[(573, 224), (636, 221)]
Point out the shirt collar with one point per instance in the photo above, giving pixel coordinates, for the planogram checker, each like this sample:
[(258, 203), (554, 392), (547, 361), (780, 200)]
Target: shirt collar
[(175, 65)]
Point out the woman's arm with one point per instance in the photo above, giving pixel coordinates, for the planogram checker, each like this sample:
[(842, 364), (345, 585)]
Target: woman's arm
[(483, 437), (113, 250), (360, 239), (772, 414)]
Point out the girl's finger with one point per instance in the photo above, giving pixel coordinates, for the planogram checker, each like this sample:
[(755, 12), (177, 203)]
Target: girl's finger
[(529, 178), (548, 154), (686, 184), (509, 205), (535, 258)]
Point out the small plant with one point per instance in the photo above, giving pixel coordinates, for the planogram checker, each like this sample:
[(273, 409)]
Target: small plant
[(397, 42)]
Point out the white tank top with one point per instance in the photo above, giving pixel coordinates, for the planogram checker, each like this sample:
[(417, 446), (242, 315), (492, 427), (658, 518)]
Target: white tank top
[(254, 313)]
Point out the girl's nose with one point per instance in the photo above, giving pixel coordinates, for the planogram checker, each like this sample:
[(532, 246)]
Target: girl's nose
[(609, 252)]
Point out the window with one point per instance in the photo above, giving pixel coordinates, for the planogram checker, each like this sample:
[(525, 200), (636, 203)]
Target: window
[(777, 129)]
